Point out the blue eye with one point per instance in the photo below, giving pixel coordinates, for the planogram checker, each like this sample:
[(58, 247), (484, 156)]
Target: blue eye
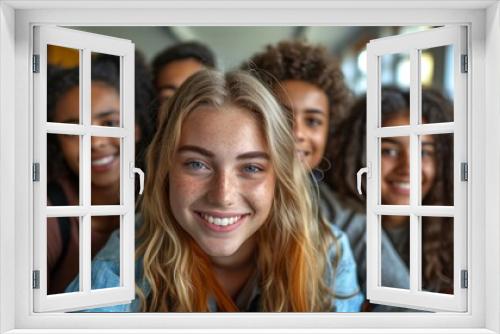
[(195, 165), (252, 169)]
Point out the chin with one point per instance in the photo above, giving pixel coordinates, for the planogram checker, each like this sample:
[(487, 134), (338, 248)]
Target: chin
[(219, 250)]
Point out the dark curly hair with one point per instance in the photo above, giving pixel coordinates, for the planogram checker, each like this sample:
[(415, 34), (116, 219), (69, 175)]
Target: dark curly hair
[(350, 155), (299, 60), (105, 69)]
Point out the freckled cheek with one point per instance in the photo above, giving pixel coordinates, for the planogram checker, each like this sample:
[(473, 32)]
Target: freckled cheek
[(260, 193), (184, 187)]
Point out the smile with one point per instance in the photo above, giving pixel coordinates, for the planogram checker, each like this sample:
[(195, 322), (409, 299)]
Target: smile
[(302, 153), (401, 185), (221, 222), (103, 161)]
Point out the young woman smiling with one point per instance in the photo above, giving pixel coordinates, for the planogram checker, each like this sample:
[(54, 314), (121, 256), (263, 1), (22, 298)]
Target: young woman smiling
[(227, 220), (63, 106), (436, 189)]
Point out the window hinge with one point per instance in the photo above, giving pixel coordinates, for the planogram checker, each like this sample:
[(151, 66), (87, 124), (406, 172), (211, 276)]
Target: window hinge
[(36, 172), (36, 63), (465, 65), (464, 171), (464, 279), (36, 279)]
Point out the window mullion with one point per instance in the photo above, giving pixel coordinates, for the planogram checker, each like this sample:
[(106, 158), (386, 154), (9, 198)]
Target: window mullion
[(85, 224), (415, 183)]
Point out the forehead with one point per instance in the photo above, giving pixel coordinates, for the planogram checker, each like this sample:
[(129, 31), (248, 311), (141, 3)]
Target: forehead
[(302, 91), (229, 129)]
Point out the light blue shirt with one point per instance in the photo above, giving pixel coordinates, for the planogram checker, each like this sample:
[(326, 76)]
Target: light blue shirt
[(343, 281)]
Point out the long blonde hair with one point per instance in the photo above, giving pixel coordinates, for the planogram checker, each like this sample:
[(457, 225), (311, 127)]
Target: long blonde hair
[(292, 245)]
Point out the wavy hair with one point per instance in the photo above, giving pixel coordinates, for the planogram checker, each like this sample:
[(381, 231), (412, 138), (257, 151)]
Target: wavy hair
[(350, 156), (291, 246)]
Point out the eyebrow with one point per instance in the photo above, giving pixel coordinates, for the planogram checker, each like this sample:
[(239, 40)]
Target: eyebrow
[(315, 111), (107, 113), (209, 154), (391, 141)]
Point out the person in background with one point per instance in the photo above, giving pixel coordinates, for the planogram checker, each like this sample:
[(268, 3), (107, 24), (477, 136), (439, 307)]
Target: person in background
[(63, 106), (436, 189), (310, 85), (173, 65), (227, 220)]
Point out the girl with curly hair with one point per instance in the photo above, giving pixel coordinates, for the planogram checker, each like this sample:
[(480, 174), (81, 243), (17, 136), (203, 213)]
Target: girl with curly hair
[(437, 189), (227, 223), (310, 85)]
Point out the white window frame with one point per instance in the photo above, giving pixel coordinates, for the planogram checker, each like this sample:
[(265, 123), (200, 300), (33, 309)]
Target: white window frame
[(16, 215), (86, 43), (412, 45)]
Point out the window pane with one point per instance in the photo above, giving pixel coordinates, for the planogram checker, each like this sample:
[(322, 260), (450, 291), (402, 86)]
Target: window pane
[(102, 228), (395, 251), (105, 170), (395, 170), (105, 92), (437, 254), (395, 73), (63, 82), (63, 170), (437, 80), (62, 252), (437, 169)]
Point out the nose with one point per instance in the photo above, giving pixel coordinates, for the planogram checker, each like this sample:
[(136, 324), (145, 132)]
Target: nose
[(403, 166), (97, 143), (298, 130), (223, 190)]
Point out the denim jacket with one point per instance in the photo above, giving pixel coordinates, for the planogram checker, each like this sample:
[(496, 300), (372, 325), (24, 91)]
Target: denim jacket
[(343, 281)]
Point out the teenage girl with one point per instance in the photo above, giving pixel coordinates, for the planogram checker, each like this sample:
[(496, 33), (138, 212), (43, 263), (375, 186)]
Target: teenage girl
[(310, 85), (436, 189), (63, 106), (228, 223)]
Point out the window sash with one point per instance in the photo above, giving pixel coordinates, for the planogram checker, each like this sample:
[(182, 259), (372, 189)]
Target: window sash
[(86, 43), (14, 40), (411, 44)]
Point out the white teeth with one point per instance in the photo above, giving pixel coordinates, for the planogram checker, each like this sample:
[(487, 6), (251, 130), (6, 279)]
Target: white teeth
[(103, 161), (221, 221), (404, 185)]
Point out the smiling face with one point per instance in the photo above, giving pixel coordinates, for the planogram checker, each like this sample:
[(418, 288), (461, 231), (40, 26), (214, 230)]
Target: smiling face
[(222, 180), (105, 152), (309, 105), (395, 164)]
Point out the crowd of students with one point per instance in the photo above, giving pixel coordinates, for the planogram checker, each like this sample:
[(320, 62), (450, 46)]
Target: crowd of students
[(250, 201)]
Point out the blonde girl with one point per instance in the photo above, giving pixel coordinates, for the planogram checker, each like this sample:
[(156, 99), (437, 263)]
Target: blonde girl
[(228, 221)]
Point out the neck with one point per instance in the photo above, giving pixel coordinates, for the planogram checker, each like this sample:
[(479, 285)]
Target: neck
[(232, 272)]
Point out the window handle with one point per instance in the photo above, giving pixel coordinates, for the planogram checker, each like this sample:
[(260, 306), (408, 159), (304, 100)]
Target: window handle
[(359, 175), (133, 171)]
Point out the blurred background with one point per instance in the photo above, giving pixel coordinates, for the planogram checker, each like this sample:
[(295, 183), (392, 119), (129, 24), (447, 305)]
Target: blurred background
[(233, 45)]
